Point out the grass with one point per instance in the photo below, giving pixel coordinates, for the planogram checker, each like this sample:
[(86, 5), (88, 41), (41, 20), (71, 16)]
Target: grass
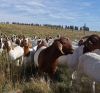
[(42, 31), (9, 82)]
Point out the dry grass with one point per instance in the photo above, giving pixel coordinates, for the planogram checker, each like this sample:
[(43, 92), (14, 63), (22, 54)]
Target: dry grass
[(41, 31)]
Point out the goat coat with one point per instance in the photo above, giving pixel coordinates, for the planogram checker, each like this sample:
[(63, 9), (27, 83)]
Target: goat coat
[(15, 53), (37, 54), (89, 64), (71, 60)]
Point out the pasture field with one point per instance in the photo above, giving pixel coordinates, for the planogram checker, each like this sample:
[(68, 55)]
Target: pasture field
[(10, 82), (41, 31)]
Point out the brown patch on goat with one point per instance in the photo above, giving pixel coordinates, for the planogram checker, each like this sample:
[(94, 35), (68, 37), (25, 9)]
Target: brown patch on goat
[(26, 48), (92, 43), (47, 57)]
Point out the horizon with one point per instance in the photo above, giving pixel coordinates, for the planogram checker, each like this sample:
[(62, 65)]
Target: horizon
[(19, 23), (55, 12)]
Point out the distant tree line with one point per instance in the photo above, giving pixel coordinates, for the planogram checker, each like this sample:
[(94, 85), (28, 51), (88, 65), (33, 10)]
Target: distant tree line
[(60, 27)]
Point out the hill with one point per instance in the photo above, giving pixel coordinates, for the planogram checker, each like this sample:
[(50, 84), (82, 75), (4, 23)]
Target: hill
[(42, 31)]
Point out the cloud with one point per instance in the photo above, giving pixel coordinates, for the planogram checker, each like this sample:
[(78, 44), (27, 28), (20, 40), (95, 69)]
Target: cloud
[(32, 3), (61, 16), (86, 4)]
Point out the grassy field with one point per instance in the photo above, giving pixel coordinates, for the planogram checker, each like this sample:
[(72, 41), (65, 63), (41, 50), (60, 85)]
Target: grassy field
[(9, 82), (42, 31)]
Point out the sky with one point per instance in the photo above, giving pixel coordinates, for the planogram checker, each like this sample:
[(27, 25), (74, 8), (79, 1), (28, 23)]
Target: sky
[(59, 12)]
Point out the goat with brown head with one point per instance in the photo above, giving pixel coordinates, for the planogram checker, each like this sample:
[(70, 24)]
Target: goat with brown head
[(6, 46), (26, 48), (66, 45), (92, 43), (47, 58)]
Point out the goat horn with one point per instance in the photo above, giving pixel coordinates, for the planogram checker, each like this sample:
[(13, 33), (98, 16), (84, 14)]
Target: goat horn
[(60, 48)]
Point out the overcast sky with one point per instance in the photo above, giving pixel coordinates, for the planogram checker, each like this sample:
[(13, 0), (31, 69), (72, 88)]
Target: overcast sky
[(63, 12)]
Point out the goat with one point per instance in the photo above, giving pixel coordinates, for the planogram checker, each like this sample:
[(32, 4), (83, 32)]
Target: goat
[(46, 59)]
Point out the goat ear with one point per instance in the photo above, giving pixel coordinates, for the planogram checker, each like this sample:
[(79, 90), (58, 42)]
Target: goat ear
[(60, 47)]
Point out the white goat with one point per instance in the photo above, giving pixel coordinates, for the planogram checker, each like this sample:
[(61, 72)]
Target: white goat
[(71, 60), (16, 53), (89, 65)]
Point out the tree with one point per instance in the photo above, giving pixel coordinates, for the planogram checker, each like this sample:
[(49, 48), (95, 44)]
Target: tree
[(76, 28)]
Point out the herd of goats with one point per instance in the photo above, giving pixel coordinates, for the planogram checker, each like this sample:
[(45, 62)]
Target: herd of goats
[(45, 55)]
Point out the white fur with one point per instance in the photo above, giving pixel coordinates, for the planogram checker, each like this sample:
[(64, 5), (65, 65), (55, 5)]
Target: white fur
[(96, 51), (89, 64), (16, 53), (9, 43), (35, 47), (74, 44), (31, 49), (1, 49), (37, 54), (50, 42), (71, 60)]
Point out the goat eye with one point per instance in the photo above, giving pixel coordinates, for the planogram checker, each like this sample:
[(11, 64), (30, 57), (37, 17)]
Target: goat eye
[(94, 41), (67, 39), (63, 43)]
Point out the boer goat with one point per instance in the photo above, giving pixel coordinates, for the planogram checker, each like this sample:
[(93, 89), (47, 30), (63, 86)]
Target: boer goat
[(28, 68), (90, 44), (89, 65), (13, 53), (45, 57), (28, 53), (72, 60)]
